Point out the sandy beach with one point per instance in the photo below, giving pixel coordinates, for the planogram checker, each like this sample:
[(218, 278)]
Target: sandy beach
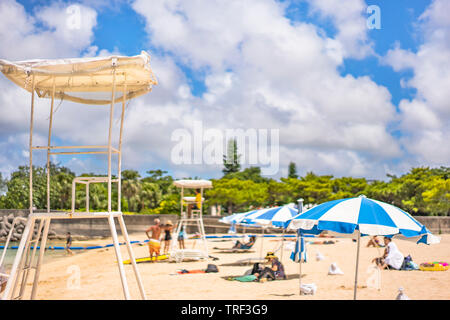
[(99, 276)]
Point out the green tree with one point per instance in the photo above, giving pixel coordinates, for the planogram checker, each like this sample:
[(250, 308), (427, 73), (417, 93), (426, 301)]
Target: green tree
[(292, 171), (131, 187), (231, 159)]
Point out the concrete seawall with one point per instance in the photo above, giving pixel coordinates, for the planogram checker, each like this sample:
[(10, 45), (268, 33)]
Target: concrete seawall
[(92, 228)]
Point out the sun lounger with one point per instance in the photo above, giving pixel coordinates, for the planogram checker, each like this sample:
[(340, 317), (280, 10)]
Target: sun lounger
[(233, 250), (186, 254)]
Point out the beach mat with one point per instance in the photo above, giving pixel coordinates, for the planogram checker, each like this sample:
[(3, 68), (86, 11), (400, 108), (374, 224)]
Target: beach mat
[(147, 259)]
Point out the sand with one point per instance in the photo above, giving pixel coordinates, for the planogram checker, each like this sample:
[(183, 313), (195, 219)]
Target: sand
[(99, 276)]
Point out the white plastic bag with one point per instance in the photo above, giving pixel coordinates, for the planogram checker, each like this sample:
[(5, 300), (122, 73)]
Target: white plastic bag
[(310, 288), (401, 295), (334, 269), (319, 256)]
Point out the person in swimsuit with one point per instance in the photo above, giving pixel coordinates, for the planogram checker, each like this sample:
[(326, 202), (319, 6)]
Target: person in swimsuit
[(154, 245), (181, 236), (248, 245), (168, 227), (69, 243)]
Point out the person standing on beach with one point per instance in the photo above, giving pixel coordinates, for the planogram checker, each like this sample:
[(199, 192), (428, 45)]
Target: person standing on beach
[(181, 236), (69, 243), (168, 227), (154, 245)]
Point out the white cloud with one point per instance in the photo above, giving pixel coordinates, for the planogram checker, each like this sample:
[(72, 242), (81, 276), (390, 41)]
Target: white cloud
[(425, 119), (262, 71)]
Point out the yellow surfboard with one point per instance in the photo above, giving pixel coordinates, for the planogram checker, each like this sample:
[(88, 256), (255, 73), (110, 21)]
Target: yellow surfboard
[(147, 259)]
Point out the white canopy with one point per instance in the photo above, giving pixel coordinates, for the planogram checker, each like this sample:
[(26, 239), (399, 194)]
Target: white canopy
[(84, 78), (193, 184)]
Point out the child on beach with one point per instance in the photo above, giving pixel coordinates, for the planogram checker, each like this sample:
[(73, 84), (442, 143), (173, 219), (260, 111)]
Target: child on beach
[(181, 236)]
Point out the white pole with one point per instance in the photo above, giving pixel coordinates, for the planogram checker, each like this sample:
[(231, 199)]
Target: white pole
[(119, 257), (41, 258), (299, 264), (356, 271), (282, 245), (119, 184), (49, 142), (262, 242), (131, 255), (31, 145), (111, 112)]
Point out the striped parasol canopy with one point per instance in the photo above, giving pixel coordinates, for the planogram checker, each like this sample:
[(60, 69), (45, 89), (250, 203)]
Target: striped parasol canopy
[(276, 217), (367, 216)]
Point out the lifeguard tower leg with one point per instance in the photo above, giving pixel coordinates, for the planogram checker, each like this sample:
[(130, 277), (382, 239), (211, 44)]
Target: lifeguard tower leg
[(131, 255), (11, 284), (30, 257), (40, 259), (119, 257)]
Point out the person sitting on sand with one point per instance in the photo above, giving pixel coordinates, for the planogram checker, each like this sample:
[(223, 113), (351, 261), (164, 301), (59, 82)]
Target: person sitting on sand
[(248, 245), (374, 242), (276, 272), (154, 245), (392, 257)]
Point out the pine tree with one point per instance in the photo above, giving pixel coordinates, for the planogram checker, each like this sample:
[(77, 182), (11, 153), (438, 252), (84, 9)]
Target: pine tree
[(292, 171), (231, 159)]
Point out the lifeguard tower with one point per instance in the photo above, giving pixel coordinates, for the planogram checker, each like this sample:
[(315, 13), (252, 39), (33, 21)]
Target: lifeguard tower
[(93, 81), (194, 219)]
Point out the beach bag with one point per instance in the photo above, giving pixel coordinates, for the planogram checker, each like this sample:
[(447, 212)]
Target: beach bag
[(211, 268)]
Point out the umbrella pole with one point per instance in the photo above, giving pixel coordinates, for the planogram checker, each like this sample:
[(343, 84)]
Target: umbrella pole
[(262, 242), (282, 248), (299, 267), (357, 262)]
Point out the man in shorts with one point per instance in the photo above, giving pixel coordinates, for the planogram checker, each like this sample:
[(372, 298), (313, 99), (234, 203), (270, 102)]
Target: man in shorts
[(154, 245)]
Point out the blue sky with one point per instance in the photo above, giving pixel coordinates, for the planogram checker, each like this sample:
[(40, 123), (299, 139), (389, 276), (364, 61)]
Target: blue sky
[(127, 27)]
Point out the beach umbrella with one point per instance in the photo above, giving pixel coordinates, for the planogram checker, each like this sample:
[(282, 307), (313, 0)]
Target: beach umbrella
[(272, 216), (275, 217), (361, 216)]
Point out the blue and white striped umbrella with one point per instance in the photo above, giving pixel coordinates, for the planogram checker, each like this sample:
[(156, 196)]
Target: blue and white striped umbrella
[(362, 216), (271, 216), (368, 216), (237, 219)]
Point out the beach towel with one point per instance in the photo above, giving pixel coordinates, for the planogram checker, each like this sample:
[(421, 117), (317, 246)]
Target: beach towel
[(154, 244), (184, 271), (334, 269), (248, 278)]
